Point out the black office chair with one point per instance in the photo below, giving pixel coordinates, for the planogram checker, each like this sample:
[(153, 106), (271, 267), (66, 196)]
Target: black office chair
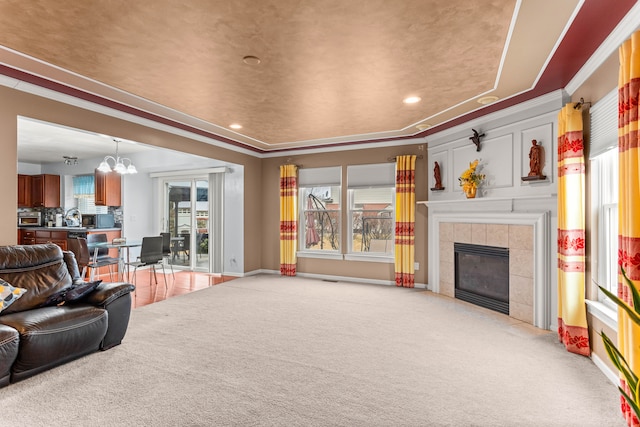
[(150, 255), (166, 251), (100, 256)]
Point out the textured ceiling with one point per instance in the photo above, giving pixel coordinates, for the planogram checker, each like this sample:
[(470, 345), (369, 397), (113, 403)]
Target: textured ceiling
[(331, 71)]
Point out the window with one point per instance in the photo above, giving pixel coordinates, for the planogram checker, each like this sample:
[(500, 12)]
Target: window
[(319, 197), (84, 192), (604, 194), (604, 176), (371, 195)]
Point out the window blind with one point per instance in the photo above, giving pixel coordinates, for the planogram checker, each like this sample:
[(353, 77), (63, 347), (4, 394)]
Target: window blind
[(604, 124), (375, 175), (320, 177)]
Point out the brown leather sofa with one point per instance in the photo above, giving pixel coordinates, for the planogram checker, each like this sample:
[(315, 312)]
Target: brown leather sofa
[(34, 337)]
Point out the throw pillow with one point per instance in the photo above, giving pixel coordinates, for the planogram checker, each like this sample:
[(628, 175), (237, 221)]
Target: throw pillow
[(79, 290), (57, 299), (9, 294), (73, 293)]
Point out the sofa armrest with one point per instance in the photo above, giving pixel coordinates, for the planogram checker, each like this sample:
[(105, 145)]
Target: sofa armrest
[(106, 293), (114, 297)]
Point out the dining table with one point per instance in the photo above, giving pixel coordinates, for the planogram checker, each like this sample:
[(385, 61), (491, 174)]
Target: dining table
[(123, 256)]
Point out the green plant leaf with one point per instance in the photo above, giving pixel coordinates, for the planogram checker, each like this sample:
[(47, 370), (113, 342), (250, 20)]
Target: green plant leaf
[(633, 404), (634, 292), (630, 311), (617, 358)]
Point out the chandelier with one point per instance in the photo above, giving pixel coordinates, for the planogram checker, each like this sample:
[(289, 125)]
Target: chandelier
[(118, 164)]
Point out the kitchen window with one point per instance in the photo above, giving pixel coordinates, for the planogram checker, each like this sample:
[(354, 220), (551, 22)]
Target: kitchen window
[(84, 193)]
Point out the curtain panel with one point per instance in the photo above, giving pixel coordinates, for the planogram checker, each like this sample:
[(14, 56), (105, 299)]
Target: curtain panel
[(572, 316), (628, 205), (288, 219), (405, 221)]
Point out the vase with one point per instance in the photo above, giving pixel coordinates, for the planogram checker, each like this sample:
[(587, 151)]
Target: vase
[(470, 192)]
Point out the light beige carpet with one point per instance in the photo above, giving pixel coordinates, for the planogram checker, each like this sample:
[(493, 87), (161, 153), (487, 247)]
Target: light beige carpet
[(271, 351)]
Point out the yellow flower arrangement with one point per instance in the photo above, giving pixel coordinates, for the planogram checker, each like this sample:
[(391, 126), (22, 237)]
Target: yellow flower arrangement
[(470, 179)]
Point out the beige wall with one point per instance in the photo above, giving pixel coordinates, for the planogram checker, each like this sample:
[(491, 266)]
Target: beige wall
[(15, 103), (357, 269)]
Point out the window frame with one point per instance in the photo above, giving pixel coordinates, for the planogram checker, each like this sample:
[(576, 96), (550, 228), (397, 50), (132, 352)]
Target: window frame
[(369, 176), (604, 208), (310, 178)]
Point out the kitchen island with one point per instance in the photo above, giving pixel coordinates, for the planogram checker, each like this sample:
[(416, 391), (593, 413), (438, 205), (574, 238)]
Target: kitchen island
[(60, 235)]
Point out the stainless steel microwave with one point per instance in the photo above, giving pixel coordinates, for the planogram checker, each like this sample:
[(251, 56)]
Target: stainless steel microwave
[(98, 221), (29, 219)]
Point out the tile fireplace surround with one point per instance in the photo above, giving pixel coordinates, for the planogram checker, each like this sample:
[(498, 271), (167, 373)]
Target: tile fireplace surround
[(526, 234)]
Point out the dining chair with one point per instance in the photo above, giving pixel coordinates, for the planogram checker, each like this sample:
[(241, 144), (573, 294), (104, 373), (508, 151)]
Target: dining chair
[(183, 246), (151, 255), (166, 251), (80, 249), (101, 257)]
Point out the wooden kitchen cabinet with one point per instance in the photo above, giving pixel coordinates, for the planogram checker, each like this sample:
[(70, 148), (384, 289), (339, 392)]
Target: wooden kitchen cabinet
[(107, 188), (27, 237), (24, 191), (57, 237), (45, 191)]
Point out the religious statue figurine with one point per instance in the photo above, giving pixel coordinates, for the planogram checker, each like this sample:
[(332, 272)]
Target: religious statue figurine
[(534, 159), (535, 163), (438, 179)]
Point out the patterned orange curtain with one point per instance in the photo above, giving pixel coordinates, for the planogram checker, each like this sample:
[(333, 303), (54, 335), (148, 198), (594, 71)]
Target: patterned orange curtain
[(629, 204), (572, 316), (405, 220), (288, 219)]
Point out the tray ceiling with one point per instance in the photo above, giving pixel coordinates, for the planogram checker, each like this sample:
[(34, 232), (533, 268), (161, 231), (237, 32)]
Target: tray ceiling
[(318, 73)]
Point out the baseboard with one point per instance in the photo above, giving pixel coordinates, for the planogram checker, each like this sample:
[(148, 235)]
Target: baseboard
[(332, 278), (611, 375)]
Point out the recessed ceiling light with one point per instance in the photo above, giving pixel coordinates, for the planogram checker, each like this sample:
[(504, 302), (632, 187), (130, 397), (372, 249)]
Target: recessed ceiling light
[(235, 126), (423, 126), (411, 99), (487, 99), (251, 60)]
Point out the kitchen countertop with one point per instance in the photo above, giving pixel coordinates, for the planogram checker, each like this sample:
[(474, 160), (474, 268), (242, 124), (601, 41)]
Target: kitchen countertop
[(68, 228)]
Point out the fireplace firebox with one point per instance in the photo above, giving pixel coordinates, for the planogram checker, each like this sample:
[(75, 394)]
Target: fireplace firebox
[(482, 276)]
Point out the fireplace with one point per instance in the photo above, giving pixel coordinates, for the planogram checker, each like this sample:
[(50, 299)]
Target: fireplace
[(482, 275)]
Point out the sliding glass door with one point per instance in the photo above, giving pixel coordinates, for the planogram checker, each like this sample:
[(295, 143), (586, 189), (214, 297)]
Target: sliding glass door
[(187, 221)]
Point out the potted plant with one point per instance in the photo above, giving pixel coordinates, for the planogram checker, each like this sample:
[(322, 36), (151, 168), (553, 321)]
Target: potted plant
[(632, 398)]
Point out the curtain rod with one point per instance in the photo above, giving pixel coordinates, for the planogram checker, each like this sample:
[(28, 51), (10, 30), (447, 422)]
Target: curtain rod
[(580, 103), (393, 159)]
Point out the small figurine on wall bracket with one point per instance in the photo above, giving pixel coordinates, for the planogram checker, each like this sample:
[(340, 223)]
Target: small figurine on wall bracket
[(476, 139), (437, 178), (535, 163)]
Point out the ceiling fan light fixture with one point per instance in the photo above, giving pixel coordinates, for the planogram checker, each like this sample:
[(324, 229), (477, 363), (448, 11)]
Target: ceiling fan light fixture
[(487, 99)]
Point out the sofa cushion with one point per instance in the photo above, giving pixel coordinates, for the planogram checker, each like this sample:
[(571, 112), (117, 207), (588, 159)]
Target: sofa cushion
[(9, 344), (9, 294), (40, 269), (50, 336)]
